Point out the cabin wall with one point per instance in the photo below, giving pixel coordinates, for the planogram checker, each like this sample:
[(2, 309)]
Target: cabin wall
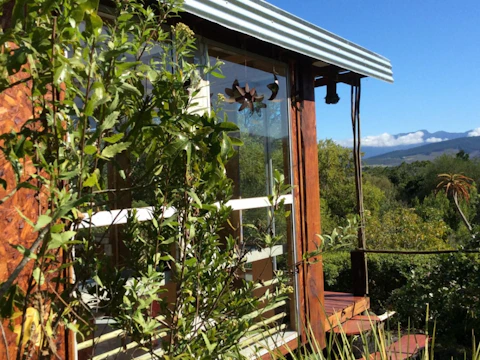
[(15, 110)]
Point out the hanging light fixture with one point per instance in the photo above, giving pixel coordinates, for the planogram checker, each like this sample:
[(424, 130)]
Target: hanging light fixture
[(332, 96)]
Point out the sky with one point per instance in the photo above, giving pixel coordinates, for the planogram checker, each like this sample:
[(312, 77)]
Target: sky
[(434, 48)]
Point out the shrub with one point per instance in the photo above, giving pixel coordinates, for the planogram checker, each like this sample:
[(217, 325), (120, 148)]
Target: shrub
[(450, 284), (387, 272), (404, 229)]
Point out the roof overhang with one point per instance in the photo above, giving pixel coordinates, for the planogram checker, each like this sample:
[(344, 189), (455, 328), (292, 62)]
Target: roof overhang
[(266, 22)]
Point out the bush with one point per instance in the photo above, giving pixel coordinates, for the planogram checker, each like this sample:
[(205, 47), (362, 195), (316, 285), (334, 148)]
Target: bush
[(387, 272), (404, 229), (450, 284)]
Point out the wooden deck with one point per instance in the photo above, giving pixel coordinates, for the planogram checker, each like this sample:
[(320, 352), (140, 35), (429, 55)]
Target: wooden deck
[(339, 307)]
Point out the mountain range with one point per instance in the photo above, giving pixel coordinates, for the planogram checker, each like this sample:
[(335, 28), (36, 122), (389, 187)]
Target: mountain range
[(417, 146)]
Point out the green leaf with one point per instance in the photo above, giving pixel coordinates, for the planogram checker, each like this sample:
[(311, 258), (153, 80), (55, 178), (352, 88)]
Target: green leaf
[(7, 308), (98, 96), (114, 138), (26, 185), (210, 347), (175, 147), (57, 228), (110, 121), (217, 75), (195, 198), (228, 126), (90, 149), (130, 88), (97, 280), (236, 141), (91, 180), (43, 220), (94, 24), (73, 326), (112, 150), (38, 276), (61, 239), (226, 145), (24, 251), (61, 72)]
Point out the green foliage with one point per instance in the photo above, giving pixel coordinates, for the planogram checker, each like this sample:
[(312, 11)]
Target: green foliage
[(342, 237), (405, 229), (386, 272), (337, 186), (450, 285), (119, 98)]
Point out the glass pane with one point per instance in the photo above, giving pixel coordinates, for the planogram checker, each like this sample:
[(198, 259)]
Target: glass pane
[(253, 95)]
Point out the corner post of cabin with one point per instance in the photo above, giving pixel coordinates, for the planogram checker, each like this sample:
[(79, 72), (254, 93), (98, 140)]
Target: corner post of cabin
[(307, 201)]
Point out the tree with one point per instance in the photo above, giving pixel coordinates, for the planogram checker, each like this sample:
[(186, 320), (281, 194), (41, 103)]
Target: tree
[(337, 186), (456, 185), (121, 90), (403, 228)]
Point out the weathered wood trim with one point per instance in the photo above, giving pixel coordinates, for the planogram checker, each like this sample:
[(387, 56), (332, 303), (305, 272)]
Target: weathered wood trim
[(297, 196), (307, 201)]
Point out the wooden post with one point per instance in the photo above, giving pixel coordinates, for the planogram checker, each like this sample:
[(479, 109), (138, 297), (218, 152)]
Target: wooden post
[(307, 202), (359, 274)]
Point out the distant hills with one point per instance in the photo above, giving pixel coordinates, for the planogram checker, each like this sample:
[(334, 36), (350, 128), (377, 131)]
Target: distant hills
[(470, 145), (428, 137)]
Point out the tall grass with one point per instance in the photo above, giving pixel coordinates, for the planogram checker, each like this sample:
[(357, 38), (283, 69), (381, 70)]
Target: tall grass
[(373, 344)]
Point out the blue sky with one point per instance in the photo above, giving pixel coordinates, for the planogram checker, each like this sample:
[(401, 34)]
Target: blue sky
[(434, 47)]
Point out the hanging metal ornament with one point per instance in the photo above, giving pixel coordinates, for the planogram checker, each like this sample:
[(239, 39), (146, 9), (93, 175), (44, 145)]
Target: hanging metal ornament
[(232, 93), (248, 98), (274, 87)]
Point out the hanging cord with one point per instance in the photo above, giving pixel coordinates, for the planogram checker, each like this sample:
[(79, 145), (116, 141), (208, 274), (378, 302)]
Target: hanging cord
[(355, 93), (358, 161)]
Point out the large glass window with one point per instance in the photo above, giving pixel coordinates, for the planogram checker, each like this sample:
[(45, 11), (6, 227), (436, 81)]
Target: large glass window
[(261, 115)]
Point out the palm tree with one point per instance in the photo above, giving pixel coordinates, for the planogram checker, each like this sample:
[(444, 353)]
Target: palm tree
[(458, 186)]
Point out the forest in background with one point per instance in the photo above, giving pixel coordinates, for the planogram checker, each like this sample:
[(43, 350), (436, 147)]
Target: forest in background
[(408, 207), (405, 206)]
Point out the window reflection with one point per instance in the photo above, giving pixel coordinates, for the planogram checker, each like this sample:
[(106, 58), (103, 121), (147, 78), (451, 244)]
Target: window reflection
[(264, 130)]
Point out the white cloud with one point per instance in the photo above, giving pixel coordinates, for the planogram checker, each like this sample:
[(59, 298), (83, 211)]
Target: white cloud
[(474, 132), (435, 140), (386, 140)]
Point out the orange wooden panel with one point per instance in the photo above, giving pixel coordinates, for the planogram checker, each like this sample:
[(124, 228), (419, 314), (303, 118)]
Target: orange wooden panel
[(405, 348), (356, 325), (340, 307)]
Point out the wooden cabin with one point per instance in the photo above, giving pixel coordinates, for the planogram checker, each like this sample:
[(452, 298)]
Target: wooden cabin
[(260, 45)]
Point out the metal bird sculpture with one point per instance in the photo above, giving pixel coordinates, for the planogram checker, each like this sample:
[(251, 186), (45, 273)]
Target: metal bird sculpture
[(274, 87)]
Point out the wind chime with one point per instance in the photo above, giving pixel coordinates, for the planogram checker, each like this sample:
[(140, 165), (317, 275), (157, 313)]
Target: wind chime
[(248, 98)]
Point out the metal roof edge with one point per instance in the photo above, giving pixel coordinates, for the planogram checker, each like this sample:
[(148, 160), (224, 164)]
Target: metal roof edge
[(269, 23)]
